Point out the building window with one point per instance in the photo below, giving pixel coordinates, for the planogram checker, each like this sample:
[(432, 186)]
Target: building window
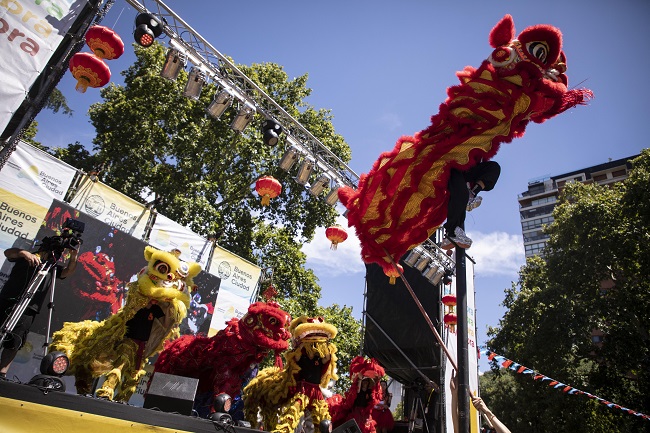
[(551, 199), (619, 173), (535, 249), (597, 339)]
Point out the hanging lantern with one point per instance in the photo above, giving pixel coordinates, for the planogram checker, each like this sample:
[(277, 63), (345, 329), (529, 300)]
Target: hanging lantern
[(394, 274), (449, 300), (104, 42), (336, 234), (89, 70), (268, 187), (451, 320)]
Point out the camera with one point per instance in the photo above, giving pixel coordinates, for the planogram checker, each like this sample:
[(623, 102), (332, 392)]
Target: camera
[(70, 237)]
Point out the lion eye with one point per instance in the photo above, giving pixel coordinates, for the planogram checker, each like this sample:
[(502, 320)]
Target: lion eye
[(539, 50), (161, 267), (273, 321)]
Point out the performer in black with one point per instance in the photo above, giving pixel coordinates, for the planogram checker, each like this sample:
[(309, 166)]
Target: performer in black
[(464, 187), (25, 268)]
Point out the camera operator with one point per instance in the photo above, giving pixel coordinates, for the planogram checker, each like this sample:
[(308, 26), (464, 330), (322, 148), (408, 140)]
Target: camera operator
[(25, 268)]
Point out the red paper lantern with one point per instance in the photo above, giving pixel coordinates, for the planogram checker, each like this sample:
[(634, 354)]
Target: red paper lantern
[(449, 300), (268, 187), (336, 234), (89, 70), (104, 42), (451, 320), (393, 274)]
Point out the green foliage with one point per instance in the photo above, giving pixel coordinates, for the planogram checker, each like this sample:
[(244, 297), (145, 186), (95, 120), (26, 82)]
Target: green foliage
[(594, 276)]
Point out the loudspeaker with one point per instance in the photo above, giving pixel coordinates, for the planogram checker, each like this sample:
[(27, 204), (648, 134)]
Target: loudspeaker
[(350, 426), (171, 393)]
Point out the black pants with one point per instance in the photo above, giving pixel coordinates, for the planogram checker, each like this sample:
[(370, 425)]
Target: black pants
[(488, 172)]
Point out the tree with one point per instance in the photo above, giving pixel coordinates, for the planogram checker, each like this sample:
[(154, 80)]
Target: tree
[(594, 276), (153, 140)]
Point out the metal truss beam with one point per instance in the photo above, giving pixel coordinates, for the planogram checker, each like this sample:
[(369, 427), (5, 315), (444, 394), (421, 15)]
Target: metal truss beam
[(223, 72)]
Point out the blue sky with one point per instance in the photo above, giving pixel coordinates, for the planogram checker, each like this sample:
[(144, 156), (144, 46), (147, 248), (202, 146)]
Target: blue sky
[(383, 67)]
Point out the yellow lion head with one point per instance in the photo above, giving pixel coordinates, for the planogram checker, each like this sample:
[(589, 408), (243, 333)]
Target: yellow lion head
[(166, 277)]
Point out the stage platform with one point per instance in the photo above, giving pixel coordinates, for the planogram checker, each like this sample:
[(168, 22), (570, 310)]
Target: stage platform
[(28, 409)]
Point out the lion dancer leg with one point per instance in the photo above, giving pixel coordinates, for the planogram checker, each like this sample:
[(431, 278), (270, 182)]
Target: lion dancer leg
[(295, 409), (481, 177), (128, 352), (132, 373)]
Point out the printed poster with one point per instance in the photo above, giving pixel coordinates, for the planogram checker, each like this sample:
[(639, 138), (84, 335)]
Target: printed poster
[(239, 279), (111, 207), (31, 32)]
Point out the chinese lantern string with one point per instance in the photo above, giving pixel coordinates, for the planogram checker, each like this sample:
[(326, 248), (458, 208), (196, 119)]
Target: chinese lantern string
[(567, 389)]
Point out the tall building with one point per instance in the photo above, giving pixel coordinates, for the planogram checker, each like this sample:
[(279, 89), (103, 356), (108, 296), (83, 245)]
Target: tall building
[(537, 203)]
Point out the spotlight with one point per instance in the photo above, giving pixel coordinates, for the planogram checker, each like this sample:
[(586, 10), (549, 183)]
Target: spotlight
[(413, 256), (221, 405), (289, 158), (423, 262), (222, 402), (305, 170), (271, 130), (435, 280), (53, 366), (319, 186), (325, 426), (332, 197), (447, 278), (244, 117), (174, 62), (430, 271), (147, 28), (221, 102), (194, 84)]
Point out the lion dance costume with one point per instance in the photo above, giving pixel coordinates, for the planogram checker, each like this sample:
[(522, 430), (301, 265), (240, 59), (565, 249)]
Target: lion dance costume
[(119, 346), (362, 396), (222, 361), (403, 199), (281, 396)]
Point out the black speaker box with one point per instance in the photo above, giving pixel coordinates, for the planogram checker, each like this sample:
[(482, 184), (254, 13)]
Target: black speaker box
[(170, 393), (350, 426)]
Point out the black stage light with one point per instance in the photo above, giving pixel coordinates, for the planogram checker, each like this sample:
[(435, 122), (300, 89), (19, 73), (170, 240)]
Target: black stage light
[(272, 131), (147, 28), (53, 366)]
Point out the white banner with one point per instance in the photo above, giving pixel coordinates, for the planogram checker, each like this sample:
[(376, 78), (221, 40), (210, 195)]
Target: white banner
[(111, 207), (29, 181), (167, 235), (30, 32), (450, 339), (239, 280)]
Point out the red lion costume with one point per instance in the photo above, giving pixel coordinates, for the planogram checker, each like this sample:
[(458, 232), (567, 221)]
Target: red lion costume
[(361, 398), (403, 199), (220, 362)]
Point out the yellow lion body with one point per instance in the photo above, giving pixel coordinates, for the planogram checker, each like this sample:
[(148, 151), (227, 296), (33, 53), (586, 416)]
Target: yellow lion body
[(103, 349)]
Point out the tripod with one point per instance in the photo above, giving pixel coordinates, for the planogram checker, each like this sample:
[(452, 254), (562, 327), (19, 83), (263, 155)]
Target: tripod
[(26, 297), (417, 404)]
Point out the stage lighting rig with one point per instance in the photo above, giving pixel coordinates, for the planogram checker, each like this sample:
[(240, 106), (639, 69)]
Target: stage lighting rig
[(243, 117), (195, 83), (221, 102), (174, 62)]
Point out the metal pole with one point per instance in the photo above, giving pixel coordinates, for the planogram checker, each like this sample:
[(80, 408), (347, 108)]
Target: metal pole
[(461, 342)]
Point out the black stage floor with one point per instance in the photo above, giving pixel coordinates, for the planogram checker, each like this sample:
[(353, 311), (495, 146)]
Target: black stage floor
[(27, 409)]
